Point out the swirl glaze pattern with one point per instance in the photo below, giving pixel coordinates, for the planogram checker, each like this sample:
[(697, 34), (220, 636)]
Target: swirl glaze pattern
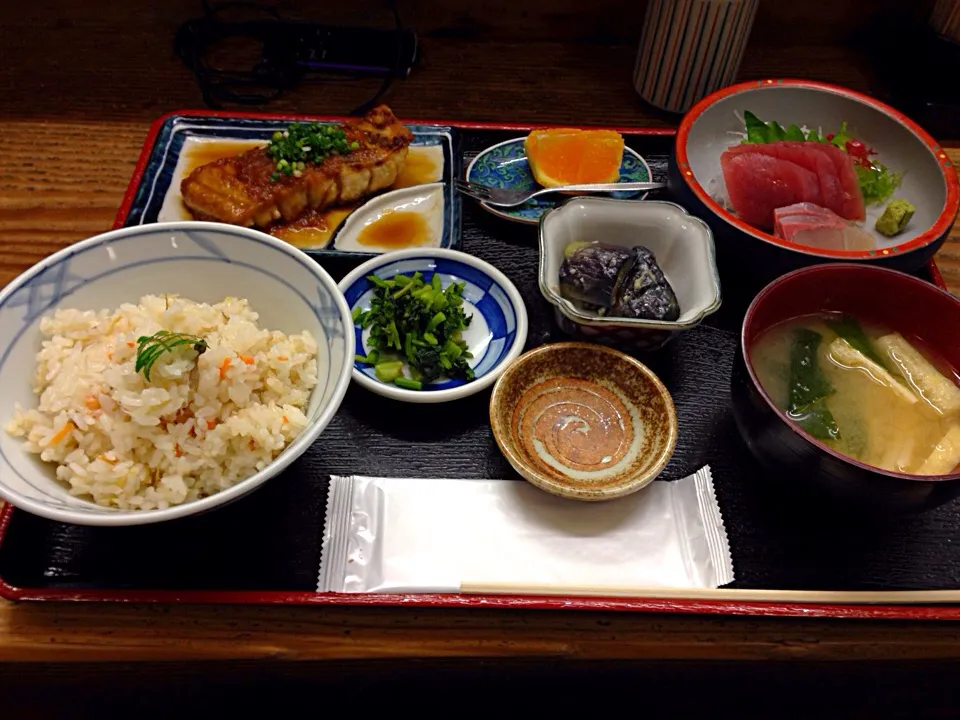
[(576, 424)]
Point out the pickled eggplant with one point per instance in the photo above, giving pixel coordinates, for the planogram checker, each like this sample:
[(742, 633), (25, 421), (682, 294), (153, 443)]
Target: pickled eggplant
[(617, 282), (590, 272), (644, 292)]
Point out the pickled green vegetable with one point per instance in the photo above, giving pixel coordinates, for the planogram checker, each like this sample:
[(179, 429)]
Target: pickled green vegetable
[(419, 325)]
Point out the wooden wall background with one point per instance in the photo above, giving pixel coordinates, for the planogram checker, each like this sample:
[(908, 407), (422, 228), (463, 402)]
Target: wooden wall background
[(800, 22), (113, 59)]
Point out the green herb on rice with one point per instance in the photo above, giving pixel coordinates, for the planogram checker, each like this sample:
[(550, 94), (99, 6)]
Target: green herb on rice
[(150, 348)]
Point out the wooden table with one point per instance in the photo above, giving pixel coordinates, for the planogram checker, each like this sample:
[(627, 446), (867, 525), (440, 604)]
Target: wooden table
[(77, 93)]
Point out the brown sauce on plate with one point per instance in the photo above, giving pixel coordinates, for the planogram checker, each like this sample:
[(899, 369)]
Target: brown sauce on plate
[(314, 228), (396, 229), (419, 168)]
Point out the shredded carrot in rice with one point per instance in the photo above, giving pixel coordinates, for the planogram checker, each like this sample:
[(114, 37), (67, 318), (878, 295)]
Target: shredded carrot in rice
[(223, 367), (284, 418), (248, 359), (177, 451), (131, 343), (211, 424), (92, 402), (63, 432)]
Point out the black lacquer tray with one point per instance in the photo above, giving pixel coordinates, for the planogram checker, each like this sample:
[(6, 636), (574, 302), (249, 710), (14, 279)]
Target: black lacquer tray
[(265, 548)]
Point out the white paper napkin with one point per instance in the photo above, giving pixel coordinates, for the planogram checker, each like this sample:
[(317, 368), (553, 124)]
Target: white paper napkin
[(434, 535)]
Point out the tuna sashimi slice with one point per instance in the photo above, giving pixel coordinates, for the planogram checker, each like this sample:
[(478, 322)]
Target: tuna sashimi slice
[(835, 171), (831, 191), (757, 184), (853, 206), (813, 226)]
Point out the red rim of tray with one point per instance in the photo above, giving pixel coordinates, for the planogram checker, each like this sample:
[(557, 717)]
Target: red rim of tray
[(947, 170), (519, 602)]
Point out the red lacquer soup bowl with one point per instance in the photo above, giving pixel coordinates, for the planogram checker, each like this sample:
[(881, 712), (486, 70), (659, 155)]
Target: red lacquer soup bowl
[(919, 311), (929, 180)]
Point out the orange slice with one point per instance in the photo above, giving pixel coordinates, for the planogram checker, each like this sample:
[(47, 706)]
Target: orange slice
[(564, 156)]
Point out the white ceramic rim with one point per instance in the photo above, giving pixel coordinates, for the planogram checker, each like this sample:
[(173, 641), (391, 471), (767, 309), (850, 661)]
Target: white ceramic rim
[(293, 451), (569, 312), (523, 221), (438, 396)]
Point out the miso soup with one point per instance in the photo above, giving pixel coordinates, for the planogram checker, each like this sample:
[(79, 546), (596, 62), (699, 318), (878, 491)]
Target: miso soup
[(864, 390)]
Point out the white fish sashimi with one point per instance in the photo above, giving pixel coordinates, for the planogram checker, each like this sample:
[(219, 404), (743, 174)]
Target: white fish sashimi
[(813, 226)]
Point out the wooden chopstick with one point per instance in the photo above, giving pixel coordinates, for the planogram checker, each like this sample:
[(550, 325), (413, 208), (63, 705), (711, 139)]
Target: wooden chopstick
[(833, 597)]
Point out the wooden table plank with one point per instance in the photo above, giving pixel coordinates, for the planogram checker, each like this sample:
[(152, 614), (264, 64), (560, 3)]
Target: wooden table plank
[(81, 632)]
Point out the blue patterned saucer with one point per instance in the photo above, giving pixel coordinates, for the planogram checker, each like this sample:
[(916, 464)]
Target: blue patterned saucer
[(497, 332), (505, 165)]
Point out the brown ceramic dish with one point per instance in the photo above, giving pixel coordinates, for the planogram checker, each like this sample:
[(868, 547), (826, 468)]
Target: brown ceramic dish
[(583, 421)]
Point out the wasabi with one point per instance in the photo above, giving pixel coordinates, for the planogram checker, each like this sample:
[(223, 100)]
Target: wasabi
[(895, 218)]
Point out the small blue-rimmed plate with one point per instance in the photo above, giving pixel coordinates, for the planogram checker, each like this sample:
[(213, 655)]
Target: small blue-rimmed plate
[(495, 337), (505, 165), (185, 141)]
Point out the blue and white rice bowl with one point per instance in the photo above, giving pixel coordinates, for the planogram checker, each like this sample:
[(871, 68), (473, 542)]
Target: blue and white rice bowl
[(496, 334), (200, 261)]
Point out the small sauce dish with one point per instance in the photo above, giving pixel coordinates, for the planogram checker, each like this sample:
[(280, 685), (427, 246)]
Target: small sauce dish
[(495, 337), (583, 421), (411, 217)]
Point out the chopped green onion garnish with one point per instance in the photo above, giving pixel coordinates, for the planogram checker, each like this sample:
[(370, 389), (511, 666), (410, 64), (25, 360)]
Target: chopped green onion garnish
[(303, 143)]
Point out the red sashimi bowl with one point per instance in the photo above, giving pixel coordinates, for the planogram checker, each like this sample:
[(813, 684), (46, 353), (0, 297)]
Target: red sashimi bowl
[(893, 299), (929, 180)]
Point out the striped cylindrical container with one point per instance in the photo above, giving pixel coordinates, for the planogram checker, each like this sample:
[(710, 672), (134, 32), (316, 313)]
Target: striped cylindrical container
[(689, 48)]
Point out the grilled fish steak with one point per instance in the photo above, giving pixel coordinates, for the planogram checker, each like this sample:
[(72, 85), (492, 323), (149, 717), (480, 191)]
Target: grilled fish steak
[(242, 190)]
